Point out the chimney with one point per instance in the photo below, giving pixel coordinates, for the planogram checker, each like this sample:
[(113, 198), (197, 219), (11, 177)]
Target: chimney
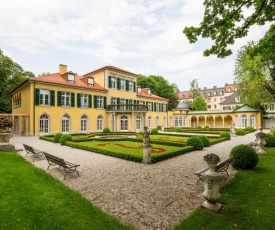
[(205, 88), (62, 69), (214, 87)]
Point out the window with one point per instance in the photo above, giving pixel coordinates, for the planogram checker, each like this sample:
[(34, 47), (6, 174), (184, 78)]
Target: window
[(149, 122), (208, 99), (139, 90), (164, 108), (243, 121), (44, 97), (215, 93), (170, 121), (17, 100), (131, 86), (99, 123), (209, 93), (176, 121), (271, 107), (90, 81), (149, 106), (164, 122), (214, 99), (123, 101), (180, 121), (44, 124), (123, 123), (122, 84), (237, 99), (215, 106), (149, 92), (221, 92), (113, 83), (252, 121), (65, 99), (100, 103), (65, 124), (70, 78), (138, 122), (228, 90), (157, 121), (84, 123), (157, 107), (84, 101), (209, 106)]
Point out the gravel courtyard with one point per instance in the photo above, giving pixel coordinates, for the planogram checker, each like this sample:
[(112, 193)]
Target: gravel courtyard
[(153, 196)]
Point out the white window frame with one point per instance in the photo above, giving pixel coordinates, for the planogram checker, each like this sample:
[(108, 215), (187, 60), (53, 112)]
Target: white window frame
[(66, 99), (84, 123), (71, 78), (65, 124), (90, 81), (44, 122), (44, 97), (157, 121), (113, 82), (131, 86), (149, 106), (100, 102), (149, 122), (99, 123), (122, 84), (157, 107), (138, 122), (84, 100), (124, 123)]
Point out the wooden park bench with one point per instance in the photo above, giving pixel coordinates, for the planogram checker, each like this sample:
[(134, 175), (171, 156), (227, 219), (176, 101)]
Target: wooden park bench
[(221, 167), (67, 166), (35, 152)]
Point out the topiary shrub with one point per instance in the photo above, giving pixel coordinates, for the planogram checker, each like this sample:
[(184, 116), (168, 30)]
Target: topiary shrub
[(225, 134), (154, 131), (178, 129), (270, 140), (106, 130), (206, 127), (159, 127), (195, 142), (205, 141), (56, 138), (249, 129), (244, 157), (199, 127), (64, 138), (239, 132)]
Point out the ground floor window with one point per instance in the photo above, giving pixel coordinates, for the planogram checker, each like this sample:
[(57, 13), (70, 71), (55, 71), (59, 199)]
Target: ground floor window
[(244, 121), (65, 124), (170, 121), (84, 123), (123, 123), (157, 121), (44, 124), (138, 122), (164, 122), (99, 123), (253, 121), (149, 122)]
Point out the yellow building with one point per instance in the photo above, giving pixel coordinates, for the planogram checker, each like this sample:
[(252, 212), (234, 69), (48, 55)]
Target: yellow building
[(107, 97), (66, 102)]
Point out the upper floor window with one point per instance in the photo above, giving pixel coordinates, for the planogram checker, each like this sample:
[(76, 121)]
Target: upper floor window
[(209, 93), (44, 97), (113, 82), (271, 107), (66, 99), (131, 86), (215, 93), (149, 106), (164, 108), (237, 99), (99, 102), (228, 90), (90, 81), (221, 92), (209, 100), (17, 100), (122, 84), (157, 107), (84, 101), (70, 78)]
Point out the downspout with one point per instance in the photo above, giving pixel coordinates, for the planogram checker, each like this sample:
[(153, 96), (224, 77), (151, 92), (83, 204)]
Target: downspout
[(33, 110)]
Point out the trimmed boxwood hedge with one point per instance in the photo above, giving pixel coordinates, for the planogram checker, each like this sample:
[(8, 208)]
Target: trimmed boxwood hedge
[(239, 132), (196, 142), (57, 137), (225, 134), (46, 138), (64, 138), (205, 141), (270, 140)]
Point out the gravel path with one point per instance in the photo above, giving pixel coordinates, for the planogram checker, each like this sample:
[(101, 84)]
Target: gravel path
[(153, 196)]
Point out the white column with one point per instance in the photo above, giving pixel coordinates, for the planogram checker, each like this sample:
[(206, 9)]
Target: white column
[(132, 122)]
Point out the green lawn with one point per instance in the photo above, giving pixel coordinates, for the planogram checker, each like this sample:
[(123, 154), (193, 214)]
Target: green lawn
[(31, 199), (248, 201)]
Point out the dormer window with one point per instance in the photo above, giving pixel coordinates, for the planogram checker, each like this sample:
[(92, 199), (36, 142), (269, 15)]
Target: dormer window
[(228, 90), (70, 78), (139, 90), (149, 92), (90, 81)]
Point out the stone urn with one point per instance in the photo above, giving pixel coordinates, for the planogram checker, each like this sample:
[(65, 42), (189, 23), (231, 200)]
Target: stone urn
[(211, 183), (260, 139), (5, 137)]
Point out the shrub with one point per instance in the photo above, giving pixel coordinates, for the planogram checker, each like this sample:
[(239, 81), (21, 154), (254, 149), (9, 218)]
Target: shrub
[(273, 132), (249, 129), (244, 157), (154, 131), (195, 142), (270, 140), (199, 127), (225, 134), (178, 129), (56, 138), (159, 127), (205, 141), (206, 127), (64, 138), (239, 132), (106, 130)]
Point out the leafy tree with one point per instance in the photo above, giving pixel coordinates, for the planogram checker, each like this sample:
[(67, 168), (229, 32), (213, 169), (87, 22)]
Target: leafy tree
[(194, 87), (160, 87), (11, 75), (44, 74), (199, 104), (253, 77), (225, 21)]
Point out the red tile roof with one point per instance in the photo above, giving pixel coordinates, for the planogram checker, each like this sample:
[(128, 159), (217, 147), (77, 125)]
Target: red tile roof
[(110, 67), (185, 95), (144, 93), (58, 79)]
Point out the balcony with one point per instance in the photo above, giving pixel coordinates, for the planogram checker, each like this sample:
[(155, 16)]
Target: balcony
[(127, 108)]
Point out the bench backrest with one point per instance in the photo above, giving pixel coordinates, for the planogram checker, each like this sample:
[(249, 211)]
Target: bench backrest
[(28, 148), (224, 164), (54, 159)]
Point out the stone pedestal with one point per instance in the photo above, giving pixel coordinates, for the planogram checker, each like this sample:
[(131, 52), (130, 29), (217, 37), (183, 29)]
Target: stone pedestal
[(6, 147), (147, 155), (5, 137), (211, 183), (260, 139)]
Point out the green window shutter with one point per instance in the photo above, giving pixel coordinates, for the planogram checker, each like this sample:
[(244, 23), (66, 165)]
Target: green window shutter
[(52, 92), (118, 83), (90, 101), (118, 100), (72, 99), (135, 101), (110, 82), (95, 101), (160, 107), (154, 107), (59, 95), (127, 102), (112, 98), (134, 87), (36, 96), (78, 100), (105, 102), (127, 85)]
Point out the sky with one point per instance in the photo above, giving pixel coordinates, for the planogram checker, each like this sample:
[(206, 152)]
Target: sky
[(140, 36)]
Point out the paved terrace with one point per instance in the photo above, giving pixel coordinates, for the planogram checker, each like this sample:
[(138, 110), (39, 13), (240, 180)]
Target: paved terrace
[(153, 196)]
